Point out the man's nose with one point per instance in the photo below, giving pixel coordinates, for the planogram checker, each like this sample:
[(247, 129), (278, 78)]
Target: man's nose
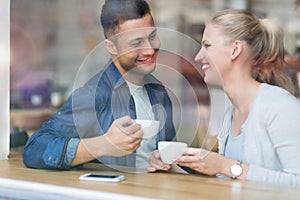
[(148, 48)]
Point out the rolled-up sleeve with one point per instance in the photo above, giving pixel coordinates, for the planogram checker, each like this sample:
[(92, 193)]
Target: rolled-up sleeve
[(71, 151)]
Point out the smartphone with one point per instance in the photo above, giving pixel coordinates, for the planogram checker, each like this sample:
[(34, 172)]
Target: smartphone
[(102, 177)]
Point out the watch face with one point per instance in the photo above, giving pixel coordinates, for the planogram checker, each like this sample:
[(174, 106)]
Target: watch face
[(236, 170)]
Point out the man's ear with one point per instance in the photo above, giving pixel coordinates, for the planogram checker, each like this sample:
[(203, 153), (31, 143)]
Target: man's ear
[(111, 47), (237, 49)]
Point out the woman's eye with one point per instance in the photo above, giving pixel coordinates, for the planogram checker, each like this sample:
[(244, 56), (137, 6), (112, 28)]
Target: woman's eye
[(206, 45)]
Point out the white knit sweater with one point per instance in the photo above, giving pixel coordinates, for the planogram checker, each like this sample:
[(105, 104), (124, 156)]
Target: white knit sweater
[(271, 144)]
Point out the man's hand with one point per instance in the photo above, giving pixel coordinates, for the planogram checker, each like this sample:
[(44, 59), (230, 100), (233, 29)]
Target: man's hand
[(124, 136)]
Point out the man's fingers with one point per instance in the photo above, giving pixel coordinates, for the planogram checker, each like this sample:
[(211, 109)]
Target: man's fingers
[(129, 126), (138, 134), (133, 129), (123, 121)]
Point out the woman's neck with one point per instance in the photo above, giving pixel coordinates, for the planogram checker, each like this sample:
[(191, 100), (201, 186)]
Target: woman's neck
[(242, 93)]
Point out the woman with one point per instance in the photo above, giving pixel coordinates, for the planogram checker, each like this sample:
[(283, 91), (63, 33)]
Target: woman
[(260, 137)]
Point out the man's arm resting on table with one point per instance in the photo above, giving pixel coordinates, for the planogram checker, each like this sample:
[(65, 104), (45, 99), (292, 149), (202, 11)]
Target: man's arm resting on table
[(89, 149), (118, 141)]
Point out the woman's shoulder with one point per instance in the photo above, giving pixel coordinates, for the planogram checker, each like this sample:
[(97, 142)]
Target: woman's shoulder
[(274, 93), (275, 97)]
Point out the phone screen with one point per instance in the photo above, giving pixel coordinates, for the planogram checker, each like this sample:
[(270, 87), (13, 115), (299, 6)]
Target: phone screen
[(102, 177)]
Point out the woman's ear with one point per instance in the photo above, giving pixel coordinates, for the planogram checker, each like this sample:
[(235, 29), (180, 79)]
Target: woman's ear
[(111, 47), (237, 49)]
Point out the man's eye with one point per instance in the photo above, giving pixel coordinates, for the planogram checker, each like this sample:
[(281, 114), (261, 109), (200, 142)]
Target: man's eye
[(137, 43), (152, 37)]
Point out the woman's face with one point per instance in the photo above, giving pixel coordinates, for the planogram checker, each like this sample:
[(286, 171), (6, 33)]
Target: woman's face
[(215, 55)]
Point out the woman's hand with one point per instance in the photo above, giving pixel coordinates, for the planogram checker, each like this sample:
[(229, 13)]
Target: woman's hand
[(155, 163), (203, 161)]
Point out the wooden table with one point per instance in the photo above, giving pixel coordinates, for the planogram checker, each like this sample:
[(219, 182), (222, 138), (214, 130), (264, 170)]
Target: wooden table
[(152, 185)]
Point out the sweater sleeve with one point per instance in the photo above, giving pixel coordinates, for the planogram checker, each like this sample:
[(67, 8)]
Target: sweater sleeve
[(257, 173), (282, 122)]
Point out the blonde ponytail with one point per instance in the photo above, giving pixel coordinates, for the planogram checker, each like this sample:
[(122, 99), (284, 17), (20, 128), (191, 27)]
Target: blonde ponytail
[(269, 62)]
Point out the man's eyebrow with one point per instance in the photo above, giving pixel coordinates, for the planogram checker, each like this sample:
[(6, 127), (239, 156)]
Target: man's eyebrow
[(153, 32), (141, 38)]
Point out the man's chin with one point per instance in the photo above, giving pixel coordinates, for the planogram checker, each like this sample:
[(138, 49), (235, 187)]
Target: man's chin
[(147, 68)]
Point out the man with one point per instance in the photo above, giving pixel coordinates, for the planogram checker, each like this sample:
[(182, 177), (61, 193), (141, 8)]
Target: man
[(97, 120)]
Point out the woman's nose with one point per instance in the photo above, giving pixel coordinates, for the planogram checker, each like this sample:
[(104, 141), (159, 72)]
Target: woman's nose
[(199, 56)]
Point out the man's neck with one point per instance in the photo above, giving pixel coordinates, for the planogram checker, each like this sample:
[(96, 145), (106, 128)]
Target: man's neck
[(130, 76)]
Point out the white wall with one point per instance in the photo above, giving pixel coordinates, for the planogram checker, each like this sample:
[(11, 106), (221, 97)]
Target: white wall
[(4, 79)]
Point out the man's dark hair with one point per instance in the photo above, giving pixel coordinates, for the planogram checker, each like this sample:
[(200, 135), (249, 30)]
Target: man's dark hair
[(115, 12)]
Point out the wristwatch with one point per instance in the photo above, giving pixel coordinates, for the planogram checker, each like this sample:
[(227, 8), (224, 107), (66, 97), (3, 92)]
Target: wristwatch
[(236, 169)]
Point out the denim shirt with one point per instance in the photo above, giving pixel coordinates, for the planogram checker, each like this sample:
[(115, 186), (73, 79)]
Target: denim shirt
[(89, 112)]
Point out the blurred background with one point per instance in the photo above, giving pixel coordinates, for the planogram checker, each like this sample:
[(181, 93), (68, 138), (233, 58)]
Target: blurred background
[(51, 38)]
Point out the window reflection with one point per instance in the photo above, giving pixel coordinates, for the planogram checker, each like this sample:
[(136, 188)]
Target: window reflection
[(51, 38)]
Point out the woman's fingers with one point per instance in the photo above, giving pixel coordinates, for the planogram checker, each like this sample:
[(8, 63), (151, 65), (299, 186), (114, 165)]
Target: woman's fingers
[(187, 159), (155, 163), (201, 153)]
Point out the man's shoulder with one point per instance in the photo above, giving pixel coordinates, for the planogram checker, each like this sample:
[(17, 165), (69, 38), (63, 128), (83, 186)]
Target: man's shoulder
[(100, 79)]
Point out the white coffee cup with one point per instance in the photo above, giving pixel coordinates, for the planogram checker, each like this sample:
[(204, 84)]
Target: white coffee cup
[(150, 128), (170, 151)]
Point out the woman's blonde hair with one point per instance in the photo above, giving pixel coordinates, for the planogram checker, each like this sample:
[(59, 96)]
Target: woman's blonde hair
[(265, 39)]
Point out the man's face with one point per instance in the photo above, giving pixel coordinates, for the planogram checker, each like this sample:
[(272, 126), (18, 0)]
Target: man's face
[(137, 45)]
